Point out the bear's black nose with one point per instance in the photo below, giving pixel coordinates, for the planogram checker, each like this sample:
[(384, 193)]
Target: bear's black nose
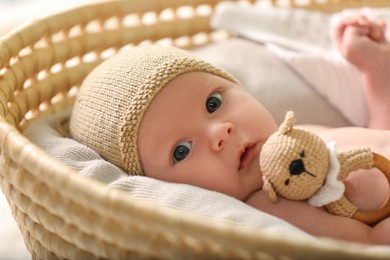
[(297, 167)]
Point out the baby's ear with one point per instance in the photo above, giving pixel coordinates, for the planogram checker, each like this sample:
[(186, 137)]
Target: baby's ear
[(288, 123)]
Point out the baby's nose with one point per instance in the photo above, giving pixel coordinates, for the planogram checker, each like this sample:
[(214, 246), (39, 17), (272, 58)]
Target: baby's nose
[(220, 134)]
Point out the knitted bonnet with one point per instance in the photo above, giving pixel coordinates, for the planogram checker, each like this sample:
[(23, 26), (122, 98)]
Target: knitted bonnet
[(114, 97)]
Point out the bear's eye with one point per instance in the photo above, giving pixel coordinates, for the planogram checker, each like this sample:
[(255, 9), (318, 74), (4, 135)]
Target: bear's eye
[(302, 154)]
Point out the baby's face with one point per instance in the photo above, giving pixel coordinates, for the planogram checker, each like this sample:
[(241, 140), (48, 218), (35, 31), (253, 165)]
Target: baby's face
[(205, 131)]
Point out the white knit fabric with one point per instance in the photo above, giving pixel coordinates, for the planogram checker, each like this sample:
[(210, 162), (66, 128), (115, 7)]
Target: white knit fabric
[(292, 28), (333, 189), (272, 82), (303, 42), (334, 78)]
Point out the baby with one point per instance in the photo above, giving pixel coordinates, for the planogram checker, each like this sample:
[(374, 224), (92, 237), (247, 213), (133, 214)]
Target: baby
[(158, 111)]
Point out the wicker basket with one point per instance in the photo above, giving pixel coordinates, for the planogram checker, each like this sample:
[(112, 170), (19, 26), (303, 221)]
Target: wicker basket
[(64, 215)]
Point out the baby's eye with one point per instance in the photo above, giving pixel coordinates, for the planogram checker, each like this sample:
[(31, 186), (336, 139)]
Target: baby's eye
[(213, 102), (181, 151)]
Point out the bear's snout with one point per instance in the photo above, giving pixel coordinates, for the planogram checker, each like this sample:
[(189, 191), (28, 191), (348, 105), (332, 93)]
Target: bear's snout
[(297, 167)]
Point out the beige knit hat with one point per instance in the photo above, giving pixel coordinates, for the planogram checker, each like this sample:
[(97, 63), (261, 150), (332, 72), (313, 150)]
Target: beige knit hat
[(115, 95)]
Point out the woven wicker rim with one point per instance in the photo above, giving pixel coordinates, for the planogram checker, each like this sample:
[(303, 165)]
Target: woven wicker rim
[(62, 214)]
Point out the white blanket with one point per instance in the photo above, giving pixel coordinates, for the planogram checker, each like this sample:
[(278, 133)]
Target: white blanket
[(301, 38), (192, 199)]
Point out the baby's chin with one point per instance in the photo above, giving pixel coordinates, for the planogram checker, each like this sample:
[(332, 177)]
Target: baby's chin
[(254, 179), (252, 189), (250, 194)]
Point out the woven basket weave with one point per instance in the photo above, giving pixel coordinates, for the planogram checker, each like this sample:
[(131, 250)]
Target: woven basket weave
[(64, 215)]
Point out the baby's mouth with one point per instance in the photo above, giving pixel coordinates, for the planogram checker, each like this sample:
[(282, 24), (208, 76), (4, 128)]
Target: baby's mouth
[(246, 157)]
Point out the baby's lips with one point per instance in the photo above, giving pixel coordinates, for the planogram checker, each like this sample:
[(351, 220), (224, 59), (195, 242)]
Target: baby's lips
[(247, 155)]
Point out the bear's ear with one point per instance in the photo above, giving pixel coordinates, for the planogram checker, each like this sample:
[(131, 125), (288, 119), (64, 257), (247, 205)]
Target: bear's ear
[(267, 186), (288, 123)]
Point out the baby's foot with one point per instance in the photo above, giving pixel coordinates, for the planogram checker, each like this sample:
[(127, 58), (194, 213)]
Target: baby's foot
[(363, 43)]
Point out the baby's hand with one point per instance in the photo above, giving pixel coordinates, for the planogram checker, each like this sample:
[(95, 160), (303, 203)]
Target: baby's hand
[(361, 27), (358, 38)]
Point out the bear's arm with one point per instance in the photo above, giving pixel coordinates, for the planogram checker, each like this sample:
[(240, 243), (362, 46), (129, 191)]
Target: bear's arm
[(360, 184)]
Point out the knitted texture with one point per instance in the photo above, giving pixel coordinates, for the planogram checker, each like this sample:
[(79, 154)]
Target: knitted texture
[(352, 160), (343, 207), (295, 164), (304, 184), (294, 150), (360, 158), (114, 97)]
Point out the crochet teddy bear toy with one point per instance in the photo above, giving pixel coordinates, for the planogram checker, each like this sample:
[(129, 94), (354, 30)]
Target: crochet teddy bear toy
[(298, 165)]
